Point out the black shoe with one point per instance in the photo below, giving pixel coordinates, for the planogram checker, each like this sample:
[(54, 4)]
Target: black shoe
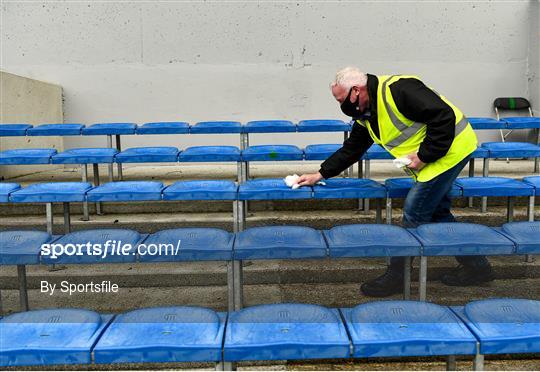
[(389, 283), (464, 276)]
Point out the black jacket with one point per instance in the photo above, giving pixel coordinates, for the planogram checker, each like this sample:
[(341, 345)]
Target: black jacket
[(416, 102)]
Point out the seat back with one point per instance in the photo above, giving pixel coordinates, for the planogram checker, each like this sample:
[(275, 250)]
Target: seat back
[(511, 104)]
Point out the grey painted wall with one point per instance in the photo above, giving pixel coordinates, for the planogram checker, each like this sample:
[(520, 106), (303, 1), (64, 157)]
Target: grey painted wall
[(150, 61)]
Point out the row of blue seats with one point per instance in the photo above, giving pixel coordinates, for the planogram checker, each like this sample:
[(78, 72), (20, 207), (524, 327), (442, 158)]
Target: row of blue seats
[(204, 127), (209, 127), (271, 332), (270, 242), (259, 189), (230, 154)]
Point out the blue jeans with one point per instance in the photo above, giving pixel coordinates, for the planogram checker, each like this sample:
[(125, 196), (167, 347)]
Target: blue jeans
[(430, 202)]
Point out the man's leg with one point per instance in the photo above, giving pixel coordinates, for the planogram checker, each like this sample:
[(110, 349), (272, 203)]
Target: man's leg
[(420, 205)]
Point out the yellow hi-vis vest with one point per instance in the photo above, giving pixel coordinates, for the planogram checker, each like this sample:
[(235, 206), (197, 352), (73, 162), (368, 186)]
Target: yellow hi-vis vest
[(401, 136)]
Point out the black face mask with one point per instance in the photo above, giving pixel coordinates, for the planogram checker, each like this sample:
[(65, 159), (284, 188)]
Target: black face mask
[(351, 109)]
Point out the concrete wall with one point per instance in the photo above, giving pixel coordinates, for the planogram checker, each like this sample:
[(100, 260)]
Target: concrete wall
[(533, 74), (25, 100), (150, 61)]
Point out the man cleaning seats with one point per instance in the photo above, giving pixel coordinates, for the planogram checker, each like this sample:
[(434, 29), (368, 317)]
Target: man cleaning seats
[(427, 133)]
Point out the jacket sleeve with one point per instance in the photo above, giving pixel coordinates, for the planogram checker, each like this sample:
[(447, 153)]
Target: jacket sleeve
[(421, 104), (352, 150)]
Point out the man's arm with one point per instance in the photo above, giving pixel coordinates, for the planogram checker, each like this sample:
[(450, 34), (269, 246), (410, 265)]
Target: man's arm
[(352, 150), (419, 103)]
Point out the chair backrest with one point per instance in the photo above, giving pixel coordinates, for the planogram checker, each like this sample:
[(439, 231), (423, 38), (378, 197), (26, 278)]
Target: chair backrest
[(511, 104)]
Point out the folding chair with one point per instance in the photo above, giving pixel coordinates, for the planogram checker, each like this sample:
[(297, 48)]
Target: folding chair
[(515, 104)]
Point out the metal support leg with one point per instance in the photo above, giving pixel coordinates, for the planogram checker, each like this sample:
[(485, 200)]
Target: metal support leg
[(485, 173), (349, 171), (23, 291), (96, 183), (237, 264), (422, 282), (360, 175), (367, 173), (230, 266), (530, 209), (478, 362), (50, 217), (119, 165), (471, 174), (530, 217), (1, 306), (451, 363), (110, 166), (510, 209), (84, 174), (378, 211), (537, 160), (67, 219), (407, 278), (389, 211), (244, 144)]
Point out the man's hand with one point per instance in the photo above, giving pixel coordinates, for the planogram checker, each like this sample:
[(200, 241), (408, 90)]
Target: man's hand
[(310, 179), (416, 163)]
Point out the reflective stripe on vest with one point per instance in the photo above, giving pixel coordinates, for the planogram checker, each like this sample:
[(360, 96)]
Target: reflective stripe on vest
[(409, 131)]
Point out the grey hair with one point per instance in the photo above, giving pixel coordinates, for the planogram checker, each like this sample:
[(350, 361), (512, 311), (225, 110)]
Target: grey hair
[(350, 76)]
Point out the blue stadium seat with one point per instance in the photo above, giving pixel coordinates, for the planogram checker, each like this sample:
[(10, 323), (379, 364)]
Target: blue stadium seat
[(52, 192), (285, 332), (504, 326), (126, 191), (399, 187), (323, 126), (377, 152), (406, 328), (371, 240), (216, 127), (512, 149), (164, 127), (534, 181), (148, 155), (47, 337), (13, 130), (201, 190), (351, 188), (55, 130), (271, 242), (117, 245), (523, 122), (26, 156), (525, 235), (21, 247), (85, 156), (486, 123), (6, 189), (269, 126), (109, 129), (189, 244), (272, 153), (271, 189), (320, 152), (162, 334), (210, 154), (493, 186), (458, 238), (480, 153)]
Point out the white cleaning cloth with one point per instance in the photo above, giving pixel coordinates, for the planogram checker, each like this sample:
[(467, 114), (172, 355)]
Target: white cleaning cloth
[(401, 162), (292, 181)]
